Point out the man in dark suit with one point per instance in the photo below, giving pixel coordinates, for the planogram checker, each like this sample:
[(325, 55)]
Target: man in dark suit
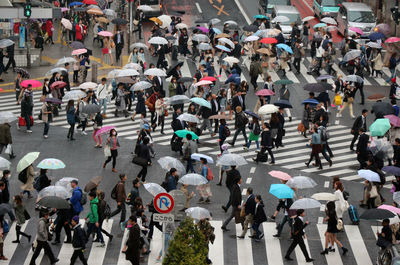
[(238, 100), (232, 177), (362, 148), (236, 199), (360, 122), (298, 234), (119, 44), (10, 56), (214, 111), (249, 209), (133, 251)]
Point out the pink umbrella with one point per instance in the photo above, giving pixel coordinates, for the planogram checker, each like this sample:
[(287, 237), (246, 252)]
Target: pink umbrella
[(394, 120), (203, 29), (356, 30), (79, 51), (203, 83), (392, 40), (280, 175), (105, 33), (265, 92), (209, 78), (64, 9), (390, 208), (58, 84), (34, 83), (104, 130)]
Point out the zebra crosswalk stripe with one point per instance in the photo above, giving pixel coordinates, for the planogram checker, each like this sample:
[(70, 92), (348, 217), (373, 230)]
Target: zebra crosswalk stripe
[(97, 253), (333, 258), (216, 250), (66, 250), (9, 247), (357, 244)]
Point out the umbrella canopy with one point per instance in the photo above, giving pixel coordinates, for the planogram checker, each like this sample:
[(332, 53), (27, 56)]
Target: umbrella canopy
[(158, 40), (373, 45), (280, 175), (119, 21), (193, 179), (198, 157), (145, 8), (214, 21), (51, 163), (126, 80), (231, 160), (250, 28), (308, 18), (354, 78), (79, 9), (74, 94), (280, 19), (7, 117), (88, 85), (65, 60), (383, 28), (93, 183), (141, 85), (310, 101), (57, 191), (181, 26), (376, 36), (351, 55), (252, 114), (390, 208), (94, 11), (33, 83), (376, 97), (203, 83), (396, 197), (105, 33), (209, 78), (305, 203), (281, 191), (227, 41), (324, 196), (104, 130), (56, 70), (320, 25), (376, 214), (80, 51), (188, 118), (23, 72), (283, 82), (200, 38), (223, 48), (91, 109), (382, 108), (177, 99), (379, 127), (109, 12), (168, 162), (357, 30), (394, 120), (5, 208), (265, 92), (268, 40), (251, 38), (324, 77), (113, 73), (284, 47), (154, 188), (156, 20), (4, 163), (128, 72), (58, 84), (218, 117), (183, 133), (283, 103), (204, 46), (184, 80), (54, 202), (27, 160), (231, 60), (301, 182), (4, 43), (198, 213), (77, 45), (134, 66), (53, 100), (369, 175), (203, 29), (201, 101), (155, 72), (172, 68), (392, 40), (139, 45), (329, 20), (393, 170), (317, 87), (75, 4), (66, 183), (267, 109), (66, 23)]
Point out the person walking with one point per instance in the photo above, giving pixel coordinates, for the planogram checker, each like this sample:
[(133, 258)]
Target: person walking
[(62, 221), (348, 100), (21, 214), (298, 53), (112, 144), (266, 145), (298, 234), (104, 212), (11, 59), (205, 113), (6, 138), (41, 239), (255, 71), (316, 148), (76, 197), (232, 177), (119, 44), (205, 189), (26, 111), (362, 148), (259, 218), (285, 205), (71, 119), (47, 117), (120, 197), (132, 253), (240, 125), (236, 199), (92, 219), (103, 95), (255, 132), (27, 186), (249, 210), (360, 122), (78, 241), (144, 152), (83, 117), (42, 181), (189, 148)]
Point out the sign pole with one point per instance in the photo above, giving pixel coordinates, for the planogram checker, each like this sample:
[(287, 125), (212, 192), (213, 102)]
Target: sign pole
[(163, 240)]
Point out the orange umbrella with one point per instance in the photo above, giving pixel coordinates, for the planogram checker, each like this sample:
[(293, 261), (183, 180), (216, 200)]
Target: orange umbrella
[(94, 12), (156, 20)]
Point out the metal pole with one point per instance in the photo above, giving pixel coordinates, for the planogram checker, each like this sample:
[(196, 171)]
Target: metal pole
[(28, 45), (130, 25), (163, 239)]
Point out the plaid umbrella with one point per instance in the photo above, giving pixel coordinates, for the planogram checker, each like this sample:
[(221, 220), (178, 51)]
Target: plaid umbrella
[(23, 72)]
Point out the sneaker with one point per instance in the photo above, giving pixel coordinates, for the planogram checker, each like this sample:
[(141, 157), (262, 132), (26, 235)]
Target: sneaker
[(245, 149), (83, 133), (45, 136), (29, 131), (102, 245)]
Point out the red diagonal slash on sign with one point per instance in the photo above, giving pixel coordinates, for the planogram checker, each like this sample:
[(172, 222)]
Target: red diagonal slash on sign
[(220, 10)]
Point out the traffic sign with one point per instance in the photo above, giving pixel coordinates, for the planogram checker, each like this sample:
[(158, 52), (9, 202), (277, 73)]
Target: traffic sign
[(166, 218), (163, 202)]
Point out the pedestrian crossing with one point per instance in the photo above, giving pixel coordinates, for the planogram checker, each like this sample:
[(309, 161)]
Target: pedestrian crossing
[(226, 249)]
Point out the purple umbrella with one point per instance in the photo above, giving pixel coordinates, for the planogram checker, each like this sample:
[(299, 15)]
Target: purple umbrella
[(205, 30), (324, 77), (384, 28), (53, 100), (392, 170), (394, 120)]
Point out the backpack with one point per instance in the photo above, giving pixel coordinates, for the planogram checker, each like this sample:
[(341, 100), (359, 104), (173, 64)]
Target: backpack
[(257, 129), (22, 176), (210, 175), (226, 133), (83, 197), (114, 192), (36, 183), (107, 210), (242, 120), (324, 134)]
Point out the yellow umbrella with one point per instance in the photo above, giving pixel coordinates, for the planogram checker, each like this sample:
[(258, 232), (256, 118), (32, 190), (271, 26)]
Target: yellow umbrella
[(222, 35), (94, 12), (102, 20), (156, 20), (264, 51)]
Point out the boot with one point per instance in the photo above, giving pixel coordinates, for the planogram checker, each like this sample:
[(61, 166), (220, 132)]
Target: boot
[(325, 252), (345, 250)]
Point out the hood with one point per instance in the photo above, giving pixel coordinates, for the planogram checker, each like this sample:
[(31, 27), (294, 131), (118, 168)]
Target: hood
[(234, 71), (95, 200)]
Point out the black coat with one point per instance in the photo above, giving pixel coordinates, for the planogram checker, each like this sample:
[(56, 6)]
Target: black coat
[(266, 139), (358, 124), (298, 227), (44, 182), (236, 196), (78, 239), (133, 243), (204, 112), (232, 177), (214, 108), (250, 205), (362, 145), (144, 152), (26, 107), (236, 102), (259, 214)]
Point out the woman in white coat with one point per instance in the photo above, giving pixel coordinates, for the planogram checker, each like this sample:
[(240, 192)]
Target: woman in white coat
[(341, 204)]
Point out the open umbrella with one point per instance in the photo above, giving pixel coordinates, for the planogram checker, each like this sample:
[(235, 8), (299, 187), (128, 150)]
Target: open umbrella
[(75, 4), (209, 78), (158, 40), (198, 213), (357, 30), (354, 78), (382, 108), (27, 160), (310, 101), (79, 9), (198, 157), (128, 72), (200, 38), (5, 208), (155, 72), (23, 72), (376, 97), (80, 51), (138, 45), (227, 41), (394, 120), (88, 85), (329, 20), (141, 85), (93, 183), (308, 18), (390, 208), (4, 163), (4, 43), (181, 26), (392, 40), (379, 127), (268, 40), (66, 183), (104, 130), (267, 109), (154, 188), (320, 25), (7, 117), (105, 33), (284, 47), (183, 133), (283, 103), (54, 202), (156, 20), (56, 70), (259, 16), (305, 203), (283, 82), (51, 163), (324, 77), (231, 160), (218, 117), (369, 175), (185, 79), (214, 21), (91, 109), (231, 60), (119, 21), (145, 8), (281, 191), (250, 28), (65, 60), (280, 19), (251, 38), (396, 197), (168, 162), (373, 45), (33, 83), (393, 170), (113, 73), (201, 101), (265, 92), (172, 68), (94, 11), (134, 66), (376, 36), (109, 12), (317, 87), (74, 94), (301, 182), (203, 83), (58, 85), (189, 118), (177, 99), (66, 23), (53, 100), (203, 29), (376, 214), (193, 179), (57, 191), (77, 45), (351, 55), (324, 196), (252, 114), (223, 48), (279, 175)]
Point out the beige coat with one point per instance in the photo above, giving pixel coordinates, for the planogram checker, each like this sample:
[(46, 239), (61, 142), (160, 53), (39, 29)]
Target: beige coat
[(188, 196), (29, 183), (378, 63), (45, 112)]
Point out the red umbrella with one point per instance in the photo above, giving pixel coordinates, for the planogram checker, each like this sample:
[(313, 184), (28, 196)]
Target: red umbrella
[(265, 92), (33, 83), (392, 40), (89, 2), (269, 40), (209, 78), (58, 84), (394, 120)]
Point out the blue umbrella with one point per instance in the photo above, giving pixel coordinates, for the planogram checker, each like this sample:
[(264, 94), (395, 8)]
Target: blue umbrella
[(320, 25), (76, 4), (252, 114), (217, 31), (260, 17), (284, 47), (283, 103), (281, 191), (376, 36), (310, 101), (201, 102), (392, 170), (223, 48)]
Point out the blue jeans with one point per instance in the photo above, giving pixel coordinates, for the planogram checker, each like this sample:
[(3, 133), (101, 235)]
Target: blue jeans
[(257, 143), (393, 74), (92, 228), (167, 237), (46, 128), (103, 103), (28, 121), (256, 227), (285, 219)]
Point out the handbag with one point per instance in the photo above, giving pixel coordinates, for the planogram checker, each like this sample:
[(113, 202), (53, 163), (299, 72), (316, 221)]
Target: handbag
[(374, 192), (242, 211), (301, 127), (165, 112), (135, 22), (107, 151), (381, 242), (8, 150), (238, 218), (118, 102), (339, 225), (27, 215), (140, 161)]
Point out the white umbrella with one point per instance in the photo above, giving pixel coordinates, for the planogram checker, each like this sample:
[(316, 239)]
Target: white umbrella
[(231, 22), (145, 8), (4, 43), (168, 162), (193, 179), (7, 117), (56, 70), (373, 45), (88, 85), (227, 41), (166, 20), (109, 12), (74, 94), (113, 73), (128, 72), (214, 21), (4, 163), (141, 85), (181, 26), (396, 197), (155, 72), (301, 182), (197, 157), (231, 59), (189, 118), (369, 175), (252, 38), (324, 196), (134, 66), (332, 28), (354, 78), (178, 99), (154, 188), (200, 38), (307, 18), (65, 60), (268, 109), (66, 183), (329, 20), (66, 23), (138, 45), (204, 46), (198, 213), (305, 203), (231, 160), (280, 19), (158, 40), (57, 191)]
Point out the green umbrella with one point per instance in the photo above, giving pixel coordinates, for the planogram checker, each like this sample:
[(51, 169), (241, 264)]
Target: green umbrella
[(183, 133), (379, 127), (27, 160), (283, 82)]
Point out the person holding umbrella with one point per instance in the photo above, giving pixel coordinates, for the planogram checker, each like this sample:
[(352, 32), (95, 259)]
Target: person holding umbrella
[(71, 118), (360, 122), (348, 100), (27, 186), (6, 138), (266, 144)]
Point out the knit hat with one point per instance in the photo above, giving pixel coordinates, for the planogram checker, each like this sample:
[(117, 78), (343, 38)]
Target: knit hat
[(76, 219)]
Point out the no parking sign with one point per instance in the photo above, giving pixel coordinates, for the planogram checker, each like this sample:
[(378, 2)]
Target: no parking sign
[(163, 202)]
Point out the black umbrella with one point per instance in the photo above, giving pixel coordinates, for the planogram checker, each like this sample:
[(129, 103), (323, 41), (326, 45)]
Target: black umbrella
[(172, 68), (318, 87), (170, 38), (23, 72), (119, 21), (91, 108), (392, 170), (376, 214), (283, 103), (185, 79), (77, 45), (382, 108), (54, 202), (250, 28), (5, 208)]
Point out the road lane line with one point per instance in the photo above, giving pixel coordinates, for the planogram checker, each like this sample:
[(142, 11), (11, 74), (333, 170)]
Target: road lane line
[(360, 252), (198, 8), (245, 251), (216, 250), (242, 11)]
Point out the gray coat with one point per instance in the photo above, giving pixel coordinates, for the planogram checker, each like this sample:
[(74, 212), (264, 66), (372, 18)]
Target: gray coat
[(43, 229), (19, 213), (121, 96)]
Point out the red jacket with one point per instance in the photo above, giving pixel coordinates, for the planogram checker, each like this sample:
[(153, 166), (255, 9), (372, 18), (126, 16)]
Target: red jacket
[(79, 33), (49, 26)]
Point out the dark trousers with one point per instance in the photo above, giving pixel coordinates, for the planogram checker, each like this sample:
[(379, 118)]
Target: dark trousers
[(296, 64), (328, 149), (229, 203), (46, 128), (327, 158), (189, 166), (114, 154), (71, 131), (93, 228), (353, 141), (78, 253), (161, 121), (240, 130), (28, 121), (298, 240), (361, 158), (142, 173), (361, 89), (253, 81), (285, 219), (174, 53), (151, 227), (118, 51), (120, 208), (47, 251), (216, 125), (102, 230), (75, 76), (317, 159), (139, 30), (67, 230), (11, 61), (231, 216), (18, 231), (269, 150)]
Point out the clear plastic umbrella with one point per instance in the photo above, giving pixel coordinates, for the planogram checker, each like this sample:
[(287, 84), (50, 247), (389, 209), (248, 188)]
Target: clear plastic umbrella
[(204, 46), (351, 55), (57, 191), (139, 45), (74, 94), (177, 99), (381, 148), (128, 72), (134, 66), (189, 118), (301, 182), (65, 60), (109, 12), (158, 40), (200, 38), (231, 160), (56, 70), (66, 183), (193, 179), (155, 72), (305, 203), (4, 43), (197, 157), (4, 163), (168, 162), (7, 117), (214, 21), (113, 73), (198, 213), (280, 19), (141, 85), (88, 85), (154, 188), (268, 109)]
